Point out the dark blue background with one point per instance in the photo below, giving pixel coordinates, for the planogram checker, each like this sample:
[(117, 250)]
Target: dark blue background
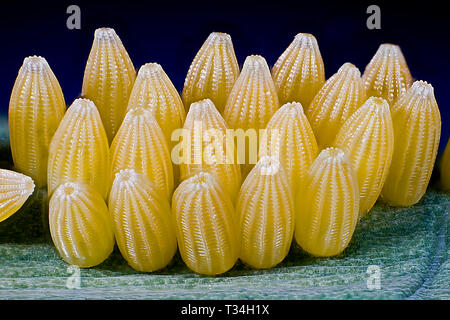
[(170, 33)]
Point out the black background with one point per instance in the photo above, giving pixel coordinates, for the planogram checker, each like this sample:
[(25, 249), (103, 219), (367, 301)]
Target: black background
[(171, 33)]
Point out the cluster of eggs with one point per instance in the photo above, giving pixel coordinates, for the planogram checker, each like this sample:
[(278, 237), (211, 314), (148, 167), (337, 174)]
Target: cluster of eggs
[(108, 161)]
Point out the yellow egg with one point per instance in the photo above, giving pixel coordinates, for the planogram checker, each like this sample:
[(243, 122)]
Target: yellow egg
[(208, 147), (154, 91), (338, 99), (266, 213), (15, 189), (36, 107), (387, 75), (327, 205), (142, 222), (80, 225), (108, 78), (291, 140), (417, 130), (367, 138), (251, 104), (79, 150), (207, 232), (299, 71), (140, 145), (212, 73)]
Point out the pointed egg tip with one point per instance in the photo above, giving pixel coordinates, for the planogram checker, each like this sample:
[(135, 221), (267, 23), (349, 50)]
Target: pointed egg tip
[(423, 89), (67, 190), (389, 49), (350, 70), (202, 106), (305, 39), (388, 45), (332, 155), (105, 34), (82, 107), (29, 185), (268, 165), (150, 70), (35, 64), (292, 108), (129, 176), (83, 104), (201, 180), (201, 109), (254, 62), (219, 37), (380, 103)]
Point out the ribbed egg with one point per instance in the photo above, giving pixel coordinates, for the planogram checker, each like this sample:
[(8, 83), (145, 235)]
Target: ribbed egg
[(291, 140), (154, 91), (15, 189), (367, 138), (327, 205), (338, 99), (417, 130), (207, 231), (299, 71), (36, 108), (208, 147), (212, 73), (79, 150), (140, 145), (142, 222), (265, 209), (80, 225), (108, 78), (251, 104), (387, 75)]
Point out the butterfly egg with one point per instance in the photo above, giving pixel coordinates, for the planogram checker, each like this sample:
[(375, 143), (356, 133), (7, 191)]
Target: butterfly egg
[(251, 104), (154, 91), (36, 108), (299, 71), (327, 205), (205, 222), (367, 138), (142, 222), (213, 72), (140, 145), (108, 78), (15, 189), (253, 100), (80, 225), (266, 214), (417, 130), (79, 150), (387, 75), (291, 140), (207, 147), (340, 96)]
